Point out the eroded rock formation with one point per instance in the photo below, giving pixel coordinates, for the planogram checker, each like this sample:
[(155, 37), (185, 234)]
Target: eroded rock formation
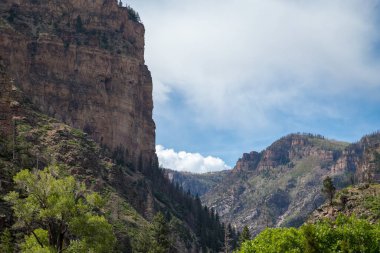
[(82, 62)]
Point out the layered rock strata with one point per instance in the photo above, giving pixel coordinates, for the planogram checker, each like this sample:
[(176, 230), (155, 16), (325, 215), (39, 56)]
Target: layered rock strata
[(82, 62)]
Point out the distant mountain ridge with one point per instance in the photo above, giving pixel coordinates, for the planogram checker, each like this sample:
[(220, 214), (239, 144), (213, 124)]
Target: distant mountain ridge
[(281, 185), (196, 184)]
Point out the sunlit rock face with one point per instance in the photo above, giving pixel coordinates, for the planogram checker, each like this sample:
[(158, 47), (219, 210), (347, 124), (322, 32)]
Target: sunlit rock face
[(82, 62)]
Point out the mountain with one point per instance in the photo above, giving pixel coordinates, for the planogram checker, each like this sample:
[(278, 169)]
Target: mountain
[(281, 186), (75, 93), (196, 184)]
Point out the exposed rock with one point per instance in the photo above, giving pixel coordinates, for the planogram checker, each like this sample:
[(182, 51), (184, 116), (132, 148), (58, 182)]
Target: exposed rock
[(82, 62), (358, 201), (281, 185)]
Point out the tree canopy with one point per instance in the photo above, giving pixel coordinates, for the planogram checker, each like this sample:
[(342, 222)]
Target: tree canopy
[(345, 234), (160, 233), (59, 214)]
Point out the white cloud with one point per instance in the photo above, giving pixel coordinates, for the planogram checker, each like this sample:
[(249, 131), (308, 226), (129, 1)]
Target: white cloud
[(191, 162), (236, 62)]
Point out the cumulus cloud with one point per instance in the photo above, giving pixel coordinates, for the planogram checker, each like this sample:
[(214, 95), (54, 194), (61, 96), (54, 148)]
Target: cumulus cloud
[(236, 63), (191, 162)]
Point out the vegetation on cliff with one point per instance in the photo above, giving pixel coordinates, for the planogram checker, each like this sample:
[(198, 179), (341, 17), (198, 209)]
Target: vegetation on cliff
[(50, 142), (131, 196)]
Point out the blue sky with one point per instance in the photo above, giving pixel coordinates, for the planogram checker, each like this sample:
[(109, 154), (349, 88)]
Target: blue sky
[(233, 76)]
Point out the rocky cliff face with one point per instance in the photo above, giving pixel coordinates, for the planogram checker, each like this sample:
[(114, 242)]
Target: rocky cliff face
[(9, 106), (82, 62), (31, 139)]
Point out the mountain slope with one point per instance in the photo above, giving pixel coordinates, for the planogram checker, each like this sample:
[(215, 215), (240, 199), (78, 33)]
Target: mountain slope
[(196, 184), (134, 187), (281, 185), (361, 200)]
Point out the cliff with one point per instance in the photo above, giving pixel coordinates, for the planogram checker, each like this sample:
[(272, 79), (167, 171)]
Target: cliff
[(82, 62), (31, 139)]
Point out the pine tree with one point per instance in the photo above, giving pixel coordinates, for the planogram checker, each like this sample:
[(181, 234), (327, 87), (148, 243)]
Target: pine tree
[(227, 240), (329, 189), (161, 234), (244, 236)]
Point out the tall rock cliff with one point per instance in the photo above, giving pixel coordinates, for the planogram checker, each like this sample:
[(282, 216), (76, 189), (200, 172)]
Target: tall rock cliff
[(82, 62)]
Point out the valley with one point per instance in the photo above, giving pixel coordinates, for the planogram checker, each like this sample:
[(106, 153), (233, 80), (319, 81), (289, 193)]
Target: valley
[(79, 171)]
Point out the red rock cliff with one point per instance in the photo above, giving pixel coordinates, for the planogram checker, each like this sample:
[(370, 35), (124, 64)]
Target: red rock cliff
[(82, 61)]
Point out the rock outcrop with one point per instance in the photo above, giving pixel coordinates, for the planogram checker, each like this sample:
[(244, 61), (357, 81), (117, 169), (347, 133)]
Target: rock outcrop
[(82, 62), (361, 200)]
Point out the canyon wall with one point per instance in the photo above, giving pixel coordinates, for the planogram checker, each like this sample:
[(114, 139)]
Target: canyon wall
[(82, 62)]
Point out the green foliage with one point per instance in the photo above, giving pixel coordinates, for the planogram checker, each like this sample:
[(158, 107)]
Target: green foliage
[(244, 236), (377, 161), (346, 234), (31, 245), (373, 203), (160, 233), (328, 144), (6, 245), (329, 188), (61, 209), (133, 15), (274, 240)]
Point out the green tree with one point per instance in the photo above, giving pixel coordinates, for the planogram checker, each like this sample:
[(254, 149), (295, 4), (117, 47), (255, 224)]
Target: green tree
[(133, 15), (244, 236), (345, 234), (161, 234), (79, 25), (275, 240), (58, 214), (6, 245), (329, 189)]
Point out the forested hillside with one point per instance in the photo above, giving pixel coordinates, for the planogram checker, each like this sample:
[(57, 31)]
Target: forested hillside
[(32, 140)]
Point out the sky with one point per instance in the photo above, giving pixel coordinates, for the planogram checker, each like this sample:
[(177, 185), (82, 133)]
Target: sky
[(231, 77)]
